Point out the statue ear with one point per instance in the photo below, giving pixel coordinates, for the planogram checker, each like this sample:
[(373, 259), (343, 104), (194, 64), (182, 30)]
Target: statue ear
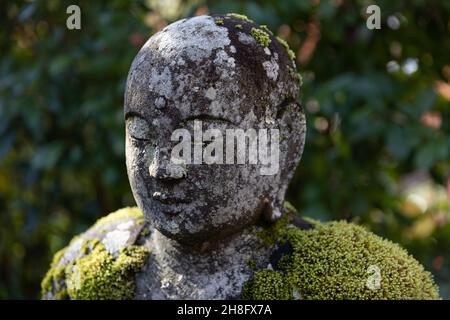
[(292, 125), (290, 121)]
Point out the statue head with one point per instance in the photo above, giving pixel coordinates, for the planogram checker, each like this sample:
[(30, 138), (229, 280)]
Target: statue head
[(213, 127)]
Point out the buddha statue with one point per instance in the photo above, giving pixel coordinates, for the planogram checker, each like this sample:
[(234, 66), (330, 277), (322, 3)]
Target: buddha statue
[(214, 132)]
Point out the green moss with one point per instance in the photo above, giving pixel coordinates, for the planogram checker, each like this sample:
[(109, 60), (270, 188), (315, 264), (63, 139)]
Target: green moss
[(267, 285), (300, 79), (251, 263), (99, 275), (219, 21), (62, 295), (85, 248), (239, 16), (332, 261), (145, 232), (290, 53), (275, 232), (55, 275), (290, 208), (266, 28), (238, 26), (284, 262), (124, 213), (260, 36)]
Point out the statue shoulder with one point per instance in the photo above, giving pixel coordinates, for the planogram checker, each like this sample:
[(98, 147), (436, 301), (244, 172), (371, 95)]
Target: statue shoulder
[(102, 262), (337, 260)]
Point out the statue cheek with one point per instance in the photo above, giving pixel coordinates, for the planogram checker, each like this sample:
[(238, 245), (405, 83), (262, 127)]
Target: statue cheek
[(139, 156), (148, 154)]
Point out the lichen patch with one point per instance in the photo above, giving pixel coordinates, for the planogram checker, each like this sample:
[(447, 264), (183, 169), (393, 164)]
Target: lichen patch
[(271, 68), (178, 37), (115, 240), (210, 93)]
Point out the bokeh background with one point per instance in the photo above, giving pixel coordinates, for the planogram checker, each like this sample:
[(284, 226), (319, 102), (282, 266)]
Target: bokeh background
[(377, 103)]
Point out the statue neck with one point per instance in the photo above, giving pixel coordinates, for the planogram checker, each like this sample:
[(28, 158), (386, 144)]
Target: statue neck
[(181, 272)]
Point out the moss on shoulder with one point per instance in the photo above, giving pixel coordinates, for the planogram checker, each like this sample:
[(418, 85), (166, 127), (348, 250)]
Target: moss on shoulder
[(53, 280), (276, 232), (121, 214), (91, 271), (101, 276), (336, 260), (267, 285)]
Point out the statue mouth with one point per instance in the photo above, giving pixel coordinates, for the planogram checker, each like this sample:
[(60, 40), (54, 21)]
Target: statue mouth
[(167, 198)]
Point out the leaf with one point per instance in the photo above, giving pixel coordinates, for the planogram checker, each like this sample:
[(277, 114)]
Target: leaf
[(432, 152), (46, 156)]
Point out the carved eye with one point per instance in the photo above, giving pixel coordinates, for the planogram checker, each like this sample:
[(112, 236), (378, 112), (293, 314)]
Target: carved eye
[(138, 128)]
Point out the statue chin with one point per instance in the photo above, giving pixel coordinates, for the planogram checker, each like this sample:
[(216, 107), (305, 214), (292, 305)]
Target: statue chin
[(192, 231)]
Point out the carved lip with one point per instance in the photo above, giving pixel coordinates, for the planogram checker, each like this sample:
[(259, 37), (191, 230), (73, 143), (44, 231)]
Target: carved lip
[(171, 212), (167, 198)]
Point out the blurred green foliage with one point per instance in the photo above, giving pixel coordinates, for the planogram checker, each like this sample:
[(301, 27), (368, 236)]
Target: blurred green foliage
[(377, 104)]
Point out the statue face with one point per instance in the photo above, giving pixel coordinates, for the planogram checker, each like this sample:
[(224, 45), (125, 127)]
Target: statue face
[(188, 95), (189, 199)]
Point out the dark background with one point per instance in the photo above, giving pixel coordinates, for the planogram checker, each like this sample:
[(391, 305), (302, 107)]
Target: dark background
[(377, 102)]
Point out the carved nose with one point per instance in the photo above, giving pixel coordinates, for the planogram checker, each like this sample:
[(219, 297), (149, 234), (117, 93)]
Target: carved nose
[(162, 168)]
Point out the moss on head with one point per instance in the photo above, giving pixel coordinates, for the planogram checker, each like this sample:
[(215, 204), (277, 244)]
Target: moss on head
[(333, 261), (266, 28), (100, 275), (219, 21), (238, 26), (300, 79), (261, 36), (239, 17), (290, 53)]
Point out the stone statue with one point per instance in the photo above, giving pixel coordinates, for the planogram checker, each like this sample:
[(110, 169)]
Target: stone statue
[(212, 223)]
